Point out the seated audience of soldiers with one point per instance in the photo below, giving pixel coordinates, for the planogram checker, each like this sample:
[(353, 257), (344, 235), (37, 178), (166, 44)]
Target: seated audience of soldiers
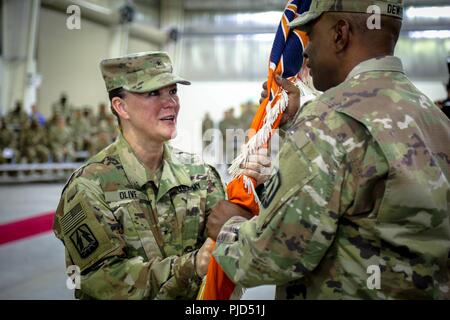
[(70, 132), (69, 135)]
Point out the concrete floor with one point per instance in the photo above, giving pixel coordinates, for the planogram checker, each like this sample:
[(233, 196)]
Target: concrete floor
[(31, 268), (34, 268)]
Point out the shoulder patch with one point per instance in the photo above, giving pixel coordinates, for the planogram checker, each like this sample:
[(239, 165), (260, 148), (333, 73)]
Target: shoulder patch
[(72, 218), (292, 173), (84, 241), (271, 188), (84, 237)]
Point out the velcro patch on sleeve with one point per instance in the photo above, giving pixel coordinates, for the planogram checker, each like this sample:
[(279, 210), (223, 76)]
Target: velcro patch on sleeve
[(294, 171), (84, 241), (123, 195), (72, 218), (271, 188), (85, 238)]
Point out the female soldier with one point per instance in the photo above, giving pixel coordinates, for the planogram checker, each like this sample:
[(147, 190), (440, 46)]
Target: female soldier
[(133, 218)]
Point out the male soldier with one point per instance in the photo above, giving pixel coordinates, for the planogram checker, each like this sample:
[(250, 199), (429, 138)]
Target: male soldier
[(133, 218), (100, 140), (228, 126), (17, 118), (81, 129), (33, 143), (8, 144), (102, 115), (62, 107), (358, 207), (60, 140), (248, 111), (207, 124), (113, 130), (229, 121)]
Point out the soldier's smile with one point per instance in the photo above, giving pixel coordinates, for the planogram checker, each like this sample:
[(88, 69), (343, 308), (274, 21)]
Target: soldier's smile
[(171, 119)]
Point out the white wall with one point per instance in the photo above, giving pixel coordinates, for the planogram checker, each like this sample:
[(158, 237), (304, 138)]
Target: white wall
[(15, 29), (216, 97), (212, 97), (2, 101), (138, 45), (435, 90), (68, 61)]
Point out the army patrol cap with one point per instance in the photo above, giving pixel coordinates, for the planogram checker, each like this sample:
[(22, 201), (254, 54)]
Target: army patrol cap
[(393, 8), (140, 72)]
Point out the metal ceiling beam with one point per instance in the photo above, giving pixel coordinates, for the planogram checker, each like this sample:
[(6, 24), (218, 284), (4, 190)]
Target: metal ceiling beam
[(149, 3), (212, 31), (229, 31), (431, 25), (273, 5), (234, 5), (91, 11), (426, 3), (110, 17)]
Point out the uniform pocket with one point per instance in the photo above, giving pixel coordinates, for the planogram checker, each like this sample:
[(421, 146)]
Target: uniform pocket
[(293, 171), (193, 223), (139, 234)]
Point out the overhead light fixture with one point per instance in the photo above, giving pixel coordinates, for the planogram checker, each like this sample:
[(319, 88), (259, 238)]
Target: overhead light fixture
[(260, 37), (265, 18), (428, 12), (429, 34), (263, 37)]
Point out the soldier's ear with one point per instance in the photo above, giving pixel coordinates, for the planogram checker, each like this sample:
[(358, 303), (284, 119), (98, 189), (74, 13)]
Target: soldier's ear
[(120, 106), (341, 34)]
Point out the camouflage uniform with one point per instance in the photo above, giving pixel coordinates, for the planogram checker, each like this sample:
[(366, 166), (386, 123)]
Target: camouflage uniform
[(7, 140), (112, 128), (17, 118), (101, 139), (62, 108), (229, 127), (135, 233), (248, 111), (61, 143), (33, 143), (207, 124), (362, 180), (82, 132), (102, 115), (6, 137)]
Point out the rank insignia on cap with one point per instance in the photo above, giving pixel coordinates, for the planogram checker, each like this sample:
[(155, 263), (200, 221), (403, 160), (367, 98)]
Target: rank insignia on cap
[(84, 240)]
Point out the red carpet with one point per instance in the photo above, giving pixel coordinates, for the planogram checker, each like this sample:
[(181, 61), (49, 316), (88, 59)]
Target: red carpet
[(25, 228)]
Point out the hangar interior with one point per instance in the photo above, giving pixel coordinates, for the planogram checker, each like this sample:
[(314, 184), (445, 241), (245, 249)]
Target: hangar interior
[(50, 48)]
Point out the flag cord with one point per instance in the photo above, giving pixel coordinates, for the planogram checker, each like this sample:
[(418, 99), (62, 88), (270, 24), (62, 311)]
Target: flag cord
[(263, 135)]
